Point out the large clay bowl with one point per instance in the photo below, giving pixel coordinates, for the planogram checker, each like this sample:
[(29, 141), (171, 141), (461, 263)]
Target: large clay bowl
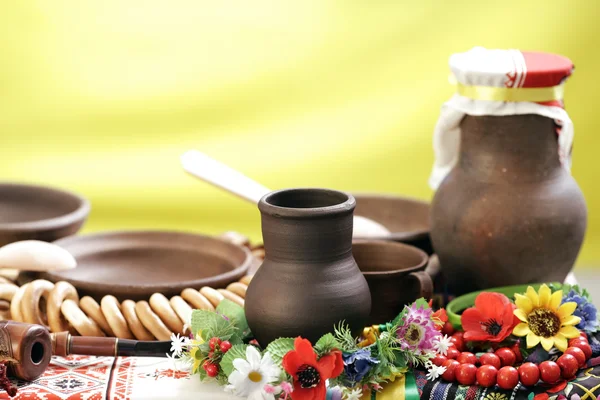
[(407, 219), (134, 265), (29, 212)]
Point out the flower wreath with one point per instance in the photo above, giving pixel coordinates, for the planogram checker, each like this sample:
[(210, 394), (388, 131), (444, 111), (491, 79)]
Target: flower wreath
[(500, 332)]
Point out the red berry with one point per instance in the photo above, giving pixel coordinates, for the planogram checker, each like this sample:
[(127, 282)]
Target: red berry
[(549, 371), (584, 346), (448, 328), (486, 375), (214, 342), (529, 373), (508, 377), (578, 354), (439, 360), (212, 370), (457, 340), (465, 374), (568, 365), (211, 354), (578, 339), (452, 353), (583, 335), (507, 356), (467, 358), (490, 359), (225, 346), (449, 374)]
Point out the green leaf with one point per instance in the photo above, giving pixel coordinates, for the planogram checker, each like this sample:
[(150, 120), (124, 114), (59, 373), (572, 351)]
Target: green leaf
[(279, 348), (422, 303), (343, 335), (400, 361), (202, 374), (399, 320), (237, 351), (326, 344), (210, 324), (235, 313)]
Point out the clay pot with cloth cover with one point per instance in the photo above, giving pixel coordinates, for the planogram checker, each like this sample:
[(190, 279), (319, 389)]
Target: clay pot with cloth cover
[(507, 210), (309, 281)]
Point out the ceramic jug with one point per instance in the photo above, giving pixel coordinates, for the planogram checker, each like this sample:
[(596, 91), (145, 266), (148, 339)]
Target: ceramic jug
[(309, 280), (508, 212)]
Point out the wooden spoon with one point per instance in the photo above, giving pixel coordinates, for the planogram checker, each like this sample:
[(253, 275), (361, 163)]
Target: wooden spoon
[(218, 174)]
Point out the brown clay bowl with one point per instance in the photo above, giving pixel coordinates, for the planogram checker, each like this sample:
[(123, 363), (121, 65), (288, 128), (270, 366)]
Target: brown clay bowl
[(29, 212), (396, 276), (407, 219), (134, 265)]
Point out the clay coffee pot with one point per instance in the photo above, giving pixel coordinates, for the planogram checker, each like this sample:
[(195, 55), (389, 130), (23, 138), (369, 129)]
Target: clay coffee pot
[(507, 210), (309, 280)]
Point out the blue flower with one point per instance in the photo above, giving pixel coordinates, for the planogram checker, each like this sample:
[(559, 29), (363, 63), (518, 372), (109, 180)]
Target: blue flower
[(358, 364), (585, 310)]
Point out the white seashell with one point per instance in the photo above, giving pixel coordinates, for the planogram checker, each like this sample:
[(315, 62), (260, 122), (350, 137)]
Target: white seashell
[(364, 228), (35, 255)]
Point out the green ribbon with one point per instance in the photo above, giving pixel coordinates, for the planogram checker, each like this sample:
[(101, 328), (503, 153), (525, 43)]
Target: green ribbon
[(410, 387), (408, 392)]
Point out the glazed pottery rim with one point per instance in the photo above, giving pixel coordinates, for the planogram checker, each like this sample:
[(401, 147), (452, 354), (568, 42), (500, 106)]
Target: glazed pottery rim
[(80, 213), (377, 242), (232, 275), (417, 234), (346, 204)]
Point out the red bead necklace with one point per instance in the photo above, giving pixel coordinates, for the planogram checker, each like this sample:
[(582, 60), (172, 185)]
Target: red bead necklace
[(498, 368)]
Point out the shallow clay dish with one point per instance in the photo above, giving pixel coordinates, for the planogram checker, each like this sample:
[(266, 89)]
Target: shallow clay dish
[(29, 212), (134, 265), (407, 219)]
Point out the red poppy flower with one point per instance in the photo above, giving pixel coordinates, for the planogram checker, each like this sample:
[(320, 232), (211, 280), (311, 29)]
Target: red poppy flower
[(309, 373), (491, 319)]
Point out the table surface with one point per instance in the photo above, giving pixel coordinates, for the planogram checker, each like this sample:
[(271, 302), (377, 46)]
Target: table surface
[(132, 378)]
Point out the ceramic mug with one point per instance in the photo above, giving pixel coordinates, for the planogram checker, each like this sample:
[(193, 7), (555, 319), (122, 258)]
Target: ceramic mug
[(396, 276)]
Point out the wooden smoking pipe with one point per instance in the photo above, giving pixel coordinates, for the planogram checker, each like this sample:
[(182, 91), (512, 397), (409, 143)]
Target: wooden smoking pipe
[(27, 348), (64, 344)]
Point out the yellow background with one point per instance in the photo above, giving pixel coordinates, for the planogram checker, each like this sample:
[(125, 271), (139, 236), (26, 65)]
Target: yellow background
[(102, 97)]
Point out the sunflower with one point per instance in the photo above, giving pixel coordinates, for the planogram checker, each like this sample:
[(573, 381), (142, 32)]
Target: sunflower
[(544, 320)]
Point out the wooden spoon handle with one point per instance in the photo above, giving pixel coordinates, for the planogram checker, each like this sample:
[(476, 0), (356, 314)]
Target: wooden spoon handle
[(218, 174)]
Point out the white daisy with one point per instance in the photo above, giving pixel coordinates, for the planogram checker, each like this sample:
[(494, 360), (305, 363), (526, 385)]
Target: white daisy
[(229, 389), (441, 344), (253, 373), (356, 394), (177, 344), (434, 372), (268, 392)]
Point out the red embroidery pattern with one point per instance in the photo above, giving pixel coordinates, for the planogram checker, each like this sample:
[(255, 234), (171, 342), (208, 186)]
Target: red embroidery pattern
[(122, 379), (165, 373), (71, 378)]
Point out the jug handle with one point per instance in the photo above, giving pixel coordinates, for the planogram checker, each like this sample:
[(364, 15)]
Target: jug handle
[(425, 284)]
